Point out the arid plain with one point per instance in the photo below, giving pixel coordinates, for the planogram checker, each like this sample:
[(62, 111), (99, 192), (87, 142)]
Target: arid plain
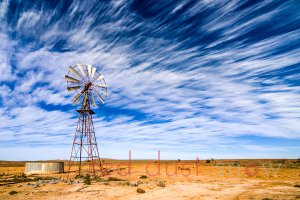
[(149, 179)]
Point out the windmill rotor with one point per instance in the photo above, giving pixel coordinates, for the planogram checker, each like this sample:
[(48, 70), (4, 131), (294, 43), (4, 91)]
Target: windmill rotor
[(89, 85)]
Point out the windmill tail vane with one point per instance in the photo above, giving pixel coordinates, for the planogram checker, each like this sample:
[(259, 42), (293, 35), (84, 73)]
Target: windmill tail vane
[(87, 83)]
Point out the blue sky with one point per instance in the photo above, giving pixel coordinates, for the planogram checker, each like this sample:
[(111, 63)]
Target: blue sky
[(207, 79)]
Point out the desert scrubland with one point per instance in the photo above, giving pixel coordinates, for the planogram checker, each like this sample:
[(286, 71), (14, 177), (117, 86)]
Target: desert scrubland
[(147, 179)]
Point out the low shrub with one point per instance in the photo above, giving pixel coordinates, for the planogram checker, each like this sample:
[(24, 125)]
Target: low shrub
[(20, 178), (79, 176), (87, 179), (160, 184), (114, 179), (140, 190), (13, 192), (297, 186), (127, 183), (99, 179), (143, 176)]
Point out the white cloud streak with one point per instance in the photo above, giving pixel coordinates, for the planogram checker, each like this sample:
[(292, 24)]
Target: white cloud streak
[(199, 103)]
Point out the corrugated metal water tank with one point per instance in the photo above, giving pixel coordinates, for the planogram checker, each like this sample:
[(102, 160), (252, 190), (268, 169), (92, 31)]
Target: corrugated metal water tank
[(44, 167)]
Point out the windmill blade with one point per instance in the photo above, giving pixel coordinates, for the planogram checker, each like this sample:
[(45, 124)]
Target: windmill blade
[(89, 67), (71, 79), (93, 100), (93, 71), (100, 77), (106, 94), (70, 89), (101, 85), (75, 72), (98, 95), (76, 98), (81, 69)]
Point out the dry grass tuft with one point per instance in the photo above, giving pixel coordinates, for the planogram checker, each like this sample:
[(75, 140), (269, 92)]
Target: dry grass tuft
[(13, 192), (161, 184), (143, 176), (114, 179), (140, 190), (297, 185), (87, 179)]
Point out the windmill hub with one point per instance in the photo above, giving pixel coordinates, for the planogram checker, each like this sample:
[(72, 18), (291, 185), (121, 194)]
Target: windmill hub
[(86, 86)]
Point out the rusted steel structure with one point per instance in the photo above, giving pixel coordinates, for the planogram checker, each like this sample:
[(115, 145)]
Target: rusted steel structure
[(88, 83)]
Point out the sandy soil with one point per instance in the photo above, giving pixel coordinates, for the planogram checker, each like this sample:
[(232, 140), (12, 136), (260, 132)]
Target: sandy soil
[(216, 180)]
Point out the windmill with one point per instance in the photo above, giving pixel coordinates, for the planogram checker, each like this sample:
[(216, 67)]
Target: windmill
[(90, 87)]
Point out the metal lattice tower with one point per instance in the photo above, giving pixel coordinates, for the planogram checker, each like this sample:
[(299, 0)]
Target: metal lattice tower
[(85, 149)]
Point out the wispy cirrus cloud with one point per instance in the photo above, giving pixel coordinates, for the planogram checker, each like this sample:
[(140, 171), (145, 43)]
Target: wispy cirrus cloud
[(193, 76)]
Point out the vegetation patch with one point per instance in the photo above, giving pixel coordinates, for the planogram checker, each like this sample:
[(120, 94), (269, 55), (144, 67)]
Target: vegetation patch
[(143, 176), (44, 178), (79, 176), (127, 183), (3, 174), (99, 179), (114, 179), (20, 178), (87, 179), (161, 184), (13, 192), (140, 190), (297, 186)]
